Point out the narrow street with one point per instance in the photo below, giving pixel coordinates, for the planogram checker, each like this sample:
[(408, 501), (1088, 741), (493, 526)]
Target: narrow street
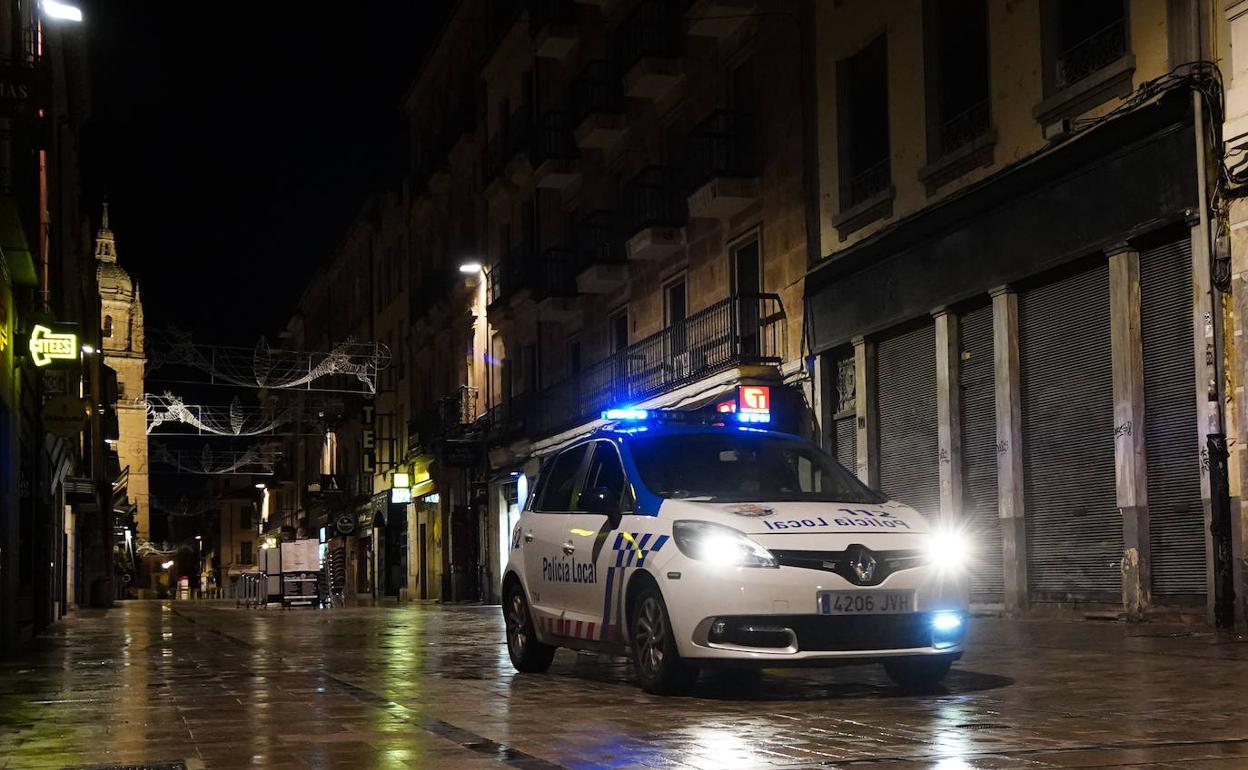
[(431, 687)]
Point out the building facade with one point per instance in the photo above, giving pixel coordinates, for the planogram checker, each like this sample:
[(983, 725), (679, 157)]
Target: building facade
[(1014, 306)]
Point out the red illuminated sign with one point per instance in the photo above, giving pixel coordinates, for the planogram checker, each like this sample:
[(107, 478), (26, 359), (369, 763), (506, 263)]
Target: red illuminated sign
[(726, 407), (755, 399)]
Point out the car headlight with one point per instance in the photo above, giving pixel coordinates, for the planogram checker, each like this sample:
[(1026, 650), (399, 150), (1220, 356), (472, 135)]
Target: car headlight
[(718, 544), (948, 549)]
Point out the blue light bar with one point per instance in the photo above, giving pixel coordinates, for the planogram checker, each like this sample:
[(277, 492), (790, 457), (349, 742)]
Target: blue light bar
[(625, 414), (757, 417)]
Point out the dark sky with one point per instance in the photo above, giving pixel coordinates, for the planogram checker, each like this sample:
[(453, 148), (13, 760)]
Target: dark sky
[(235, 143)]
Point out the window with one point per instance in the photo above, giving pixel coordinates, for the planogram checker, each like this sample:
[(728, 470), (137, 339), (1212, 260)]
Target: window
[(245, 555), (956, 37), (674, 313), (605, 473), (559, 479), (619, 331), (1086, 37), (744, 467), (862, 124), (674, 303), (747, 287), (244, 518), (574, 357), (108, 326)]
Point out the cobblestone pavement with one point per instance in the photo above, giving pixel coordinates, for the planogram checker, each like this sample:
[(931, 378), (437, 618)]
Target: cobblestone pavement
[(431, 687)]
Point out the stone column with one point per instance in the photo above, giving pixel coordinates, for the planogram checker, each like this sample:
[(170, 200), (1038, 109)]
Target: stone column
[(868, 449), (948, 415), (1009, 402), (1130, 468)]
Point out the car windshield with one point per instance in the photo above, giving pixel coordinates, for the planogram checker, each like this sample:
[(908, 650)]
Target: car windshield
[(737, 467)]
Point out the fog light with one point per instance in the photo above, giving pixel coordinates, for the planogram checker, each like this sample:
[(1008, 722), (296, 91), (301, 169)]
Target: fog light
[(717, 630), (948, 629)]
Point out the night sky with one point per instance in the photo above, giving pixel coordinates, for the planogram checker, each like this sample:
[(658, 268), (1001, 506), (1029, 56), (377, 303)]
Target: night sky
[(235, 144)]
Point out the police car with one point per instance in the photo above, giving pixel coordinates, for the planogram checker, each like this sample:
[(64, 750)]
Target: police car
[(687, 546)]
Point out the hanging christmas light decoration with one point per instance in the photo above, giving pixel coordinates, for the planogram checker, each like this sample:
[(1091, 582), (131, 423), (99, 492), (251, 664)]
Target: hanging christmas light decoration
[(236, 420), (211, 462)]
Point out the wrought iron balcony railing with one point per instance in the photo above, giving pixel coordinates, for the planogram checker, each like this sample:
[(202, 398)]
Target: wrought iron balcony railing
[(1094, 52), (723, 145), (868, 182), (557, 268), (655, 29), (554, 140), (599, 240), (964, 128), (597, 90), (655, 198), (544, 13), (510, 140), (738, 330)]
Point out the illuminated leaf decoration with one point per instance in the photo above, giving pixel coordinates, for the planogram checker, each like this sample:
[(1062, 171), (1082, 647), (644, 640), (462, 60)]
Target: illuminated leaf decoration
[(262, 361), (236, 416)]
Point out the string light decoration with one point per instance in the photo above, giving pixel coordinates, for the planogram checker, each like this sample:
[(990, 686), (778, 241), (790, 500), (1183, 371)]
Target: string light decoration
[(234, 420), (355, 364), (222, 462), (183, 508)]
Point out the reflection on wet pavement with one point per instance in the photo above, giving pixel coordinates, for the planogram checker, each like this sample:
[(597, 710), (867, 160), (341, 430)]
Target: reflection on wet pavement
[(431, 687)]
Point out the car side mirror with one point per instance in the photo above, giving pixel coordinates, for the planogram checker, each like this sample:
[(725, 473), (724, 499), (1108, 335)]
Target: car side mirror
[(603, 500)]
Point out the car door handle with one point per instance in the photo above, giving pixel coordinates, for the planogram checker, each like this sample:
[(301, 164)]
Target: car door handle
[(568, 548), (528, 537)]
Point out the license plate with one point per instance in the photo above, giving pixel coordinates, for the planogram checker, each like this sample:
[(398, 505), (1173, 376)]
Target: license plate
[(865, 602)]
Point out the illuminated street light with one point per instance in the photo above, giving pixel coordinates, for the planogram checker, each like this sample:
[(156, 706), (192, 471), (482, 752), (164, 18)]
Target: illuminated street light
[(55, 9), (88, 349), (470, 268), (259, 485), (167, 564)]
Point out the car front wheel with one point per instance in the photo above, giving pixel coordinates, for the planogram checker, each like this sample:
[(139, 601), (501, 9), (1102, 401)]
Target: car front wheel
[(655, 658), (527, 654)]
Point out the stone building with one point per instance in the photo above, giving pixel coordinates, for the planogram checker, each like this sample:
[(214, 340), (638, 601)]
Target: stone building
[(121, 333), (1014, 302)]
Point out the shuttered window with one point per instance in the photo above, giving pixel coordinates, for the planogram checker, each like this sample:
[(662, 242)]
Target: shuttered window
[(906, 400), (1171, 441), (1074, 530), (979, 453)]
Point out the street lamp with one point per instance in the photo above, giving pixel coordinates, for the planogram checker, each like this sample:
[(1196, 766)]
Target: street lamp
[(470, 268), (167, 564), (55, 9)]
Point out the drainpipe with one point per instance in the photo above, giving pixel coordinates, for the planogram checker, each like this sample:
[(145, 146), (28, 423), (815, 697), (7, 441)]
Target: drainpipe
[(1219, 470)]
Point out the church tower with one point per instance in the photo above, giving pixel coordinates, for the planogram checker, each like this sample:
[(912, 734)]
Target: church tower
[(121, 322)]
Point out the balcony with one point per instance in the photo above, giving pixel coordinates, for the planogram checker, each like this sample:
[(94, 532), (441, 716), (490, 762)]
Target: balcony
[(598, 107), (656, 213), (506, 155), (723, 165), (556, 290), (718, 18), (553, 25), (736, 331), (555, 152), (649, 46), (602, 263)]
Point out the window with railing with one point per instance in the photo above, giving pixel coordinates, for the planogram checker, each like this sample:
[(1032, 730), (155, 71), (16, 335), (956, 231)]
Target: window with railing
[(598, 239), (655, 198), (1089, 37), (654, 29), (956, 37), (723, 145), (597, 90), (553, 137), (738, 330), (862, 124)]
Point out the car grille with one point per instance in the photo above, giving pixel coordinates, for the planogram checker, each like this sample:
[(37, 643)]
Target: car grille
[(838, 562), (838, 633)]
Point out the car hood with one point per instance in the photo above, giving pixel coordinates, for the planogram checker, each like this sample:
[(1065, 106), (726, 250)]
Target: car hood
[(811, 518)]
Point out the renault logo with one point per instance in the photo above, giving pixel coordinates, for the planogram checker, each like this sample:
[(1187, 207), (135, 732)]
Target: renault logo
[(862, 563)]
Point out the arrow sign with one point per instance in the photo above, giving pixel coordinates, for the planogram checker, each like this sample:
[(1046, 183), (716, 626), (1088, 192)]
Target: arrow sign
[(47, 346)]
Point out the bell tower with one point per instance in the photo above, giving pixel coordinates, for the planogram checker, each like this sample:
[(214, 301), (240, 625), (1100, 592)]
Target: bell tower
[(121, 324)]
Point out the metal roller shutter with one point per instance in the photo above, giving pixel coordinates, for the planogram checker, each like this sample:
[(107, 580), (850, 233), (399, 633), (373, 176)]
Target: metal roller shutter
[(979, 453), (1074, 530), (847, 443), (906, 399), (1171, 441)]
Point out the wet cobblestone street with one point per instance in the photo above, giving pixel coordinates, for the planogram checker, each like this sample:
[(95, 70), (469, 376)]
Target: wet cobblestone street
[(431, 687)]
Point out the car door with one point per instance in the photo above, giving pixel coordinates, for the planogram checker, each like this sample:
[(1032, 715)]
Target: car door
[(543, 532), (597, 509)]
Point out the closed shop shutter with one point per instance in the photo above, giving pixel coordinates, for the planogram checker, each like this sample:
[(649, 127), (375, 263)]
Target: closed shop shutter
[(1171, 441), (906, 402), (1074, 530), (847, 442), (979, 454)]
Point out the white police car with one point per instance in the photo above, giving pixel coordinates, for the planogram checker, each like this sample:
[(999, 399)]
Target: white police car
[(690, 546)]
